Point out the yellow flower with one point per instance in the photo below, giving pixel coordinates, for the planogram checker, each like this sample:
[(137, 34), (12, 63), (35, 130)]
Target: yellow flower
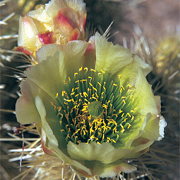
[(57, 22), (92, 105)]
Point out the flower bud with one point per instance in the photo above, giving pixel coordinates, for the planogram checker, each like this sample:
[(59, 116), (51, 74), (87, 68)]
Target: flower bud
[(58, 22)]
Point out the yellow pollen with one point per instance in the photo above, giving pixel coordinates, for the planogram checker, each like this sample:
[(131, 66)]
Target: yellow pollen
[(85, 108), (91, 84), (128, 114), (129, 125), (93, 70), (86, 69), (121, 89), (94, 98), (124, 102), (122, 130), (86, 100), (115, 130), (103, 137), (83, 80), (115, 115), (108, 102), (129, 86), (92, 137), (57, 95), (63, 93), (70, 100), (124, 120), (96, 94), (94, 89), (114, 84), (75, 132), (105, 106), (91, 130), (112, 121), (112, 140), (102, 93), (75, 74), (108, 139), (80, 69), (85, 94)]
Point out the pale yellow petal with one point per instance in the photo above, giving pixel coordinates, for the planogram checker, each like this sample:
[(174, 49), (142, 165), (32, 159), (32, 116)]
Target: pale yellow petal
[(110, 58), (28, 34), (78, 166), (93, 151), (26, 111), (77, 5), (114, 170), (134, 74), (49, 73), (74, 57), (45, 126), (151, 130)]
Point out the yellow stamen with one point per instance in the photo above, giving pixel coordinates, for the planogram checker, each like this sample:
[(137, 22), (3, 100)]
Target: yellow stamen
[(93, 70), (63, 93)]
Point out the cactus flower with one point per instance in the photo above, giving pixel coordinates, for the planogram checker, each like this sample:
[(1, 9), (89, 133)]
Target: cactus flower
[(57, 22), (92, 105)]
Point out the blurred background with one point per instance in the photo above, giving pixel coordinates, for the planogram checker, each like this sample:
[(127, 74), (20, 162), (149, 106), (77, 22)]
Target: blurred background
[(151, 28)]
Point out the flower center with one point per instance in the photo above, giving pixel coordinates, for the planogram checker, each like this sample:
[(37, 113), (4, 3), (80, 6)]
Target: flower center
[(95, 109), (93, 106)]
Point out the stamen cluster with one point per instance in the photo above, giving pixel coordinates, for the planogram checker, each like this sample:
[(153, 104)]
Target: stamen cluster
[(93, 106)]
